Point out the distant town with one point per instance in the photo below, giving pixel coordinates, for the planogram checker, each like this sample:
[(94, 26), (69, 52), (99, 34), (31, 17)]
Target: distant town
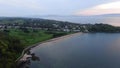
[(52, 25)]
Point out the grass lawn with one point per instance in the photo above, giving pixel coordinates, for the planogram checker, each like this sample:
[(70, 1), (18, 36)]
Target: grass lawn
[(31, 37)]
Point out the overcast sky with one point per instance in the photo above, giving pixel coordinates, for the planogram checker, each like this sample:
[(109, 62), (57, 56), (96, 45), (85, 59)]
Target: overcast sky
[(58, 7)]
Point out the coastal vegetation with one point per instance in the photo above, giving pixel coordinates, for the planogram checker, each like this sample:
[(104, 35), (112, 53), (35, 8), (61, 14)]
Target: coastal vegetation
[(13, 41), (19, 33)]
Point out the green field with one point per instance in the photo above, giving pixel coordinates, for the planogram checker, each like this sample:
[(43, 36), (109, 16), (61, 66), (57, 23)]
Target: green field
[(30, 37), (13, 41)]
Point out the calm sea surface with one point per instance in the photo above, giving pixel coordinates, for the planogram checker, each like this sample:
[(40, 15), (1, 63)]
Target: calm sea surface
[(87, 50)]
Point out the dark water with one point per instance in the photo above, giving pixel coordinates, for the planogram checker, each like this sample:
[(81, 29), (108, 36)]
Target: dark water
[(92, 19), (97, 50)]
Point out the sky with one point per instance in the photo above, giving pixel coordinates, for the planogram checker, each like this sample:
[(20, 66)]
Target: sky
[(58, 7)]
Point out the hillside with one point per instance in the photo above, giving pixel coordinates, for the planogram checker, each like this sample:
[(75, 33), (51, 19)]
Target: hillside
[(19, 33), (51, 25)]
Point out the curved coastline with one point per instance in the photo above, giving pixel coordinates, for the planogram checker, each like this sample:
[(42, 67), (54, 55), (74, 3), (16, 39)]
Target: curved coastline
[(19, 59)]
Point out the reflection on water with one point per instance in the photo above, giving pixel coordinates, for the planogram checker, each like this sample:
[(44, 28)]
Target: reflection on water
[(29, 57), (97, 50), (34, 58)]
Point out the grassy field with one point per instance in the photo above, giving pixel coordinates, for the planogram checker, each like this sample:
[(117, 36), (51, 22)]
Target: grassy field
[(30, 37), (13, 41)]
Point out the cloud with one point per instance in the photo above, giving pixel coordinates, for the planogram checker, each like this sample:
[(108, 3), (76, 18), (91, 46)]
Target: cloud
[(47, 7), (107, 8), (19, 7), (113, 5), (20, 3)]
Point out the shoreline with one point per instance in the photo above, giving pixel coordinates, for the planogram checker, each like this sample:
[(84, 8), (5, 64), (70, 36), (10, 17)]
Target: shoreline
[(23, 57)]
